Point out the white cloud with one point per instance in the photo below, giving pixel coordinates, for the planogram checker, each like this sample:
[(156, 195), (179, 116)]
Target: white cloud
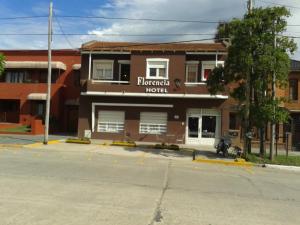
[(205, 10)]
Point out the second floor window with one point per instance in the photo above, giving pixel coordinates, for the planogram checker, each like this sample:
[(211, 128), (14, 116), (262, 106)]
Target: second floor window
[(16, 77), (191, 72), (207, 67), (103, 69), (293, 89), (157, 68)]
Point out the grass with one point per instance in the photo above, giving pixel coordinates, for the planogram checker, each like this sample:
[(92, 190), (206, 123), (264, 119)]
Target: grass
[(20, 129), (278, 160)]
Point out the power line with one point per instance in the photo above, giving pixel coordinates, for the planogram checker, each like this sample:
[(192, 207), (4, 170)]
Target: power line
[(279, 4), (62, 31), (22, 17), (133, 19), (138, 19), (94, 34), (116, 35), (111, 18)]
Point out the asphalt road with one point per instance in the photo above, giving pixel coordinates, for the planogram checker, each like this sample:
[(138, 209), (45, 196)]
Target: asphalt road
[(51, 187)]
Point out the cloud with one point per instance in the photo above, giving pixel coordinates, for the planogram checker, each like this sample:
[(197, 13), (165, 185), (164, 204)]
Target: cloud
[(205, 10)]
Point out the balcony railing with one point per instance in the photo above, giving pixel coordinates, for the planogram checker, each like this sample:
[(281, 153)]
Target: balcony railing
[(111, 81)]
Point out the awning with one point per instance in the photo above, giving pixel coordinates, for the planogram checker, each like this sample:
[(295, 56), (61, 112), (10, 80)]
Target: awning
[(34, 65), (76, 67), (37, 96)]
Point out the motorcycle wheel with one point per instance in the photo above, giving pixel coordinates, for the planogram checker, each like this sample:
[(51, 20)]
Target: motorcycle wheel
[(225, 153)]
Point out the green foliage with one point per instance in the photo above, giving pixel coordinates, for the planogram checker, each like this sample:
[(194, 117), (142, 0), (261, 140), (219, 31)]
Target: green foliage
[(1, 64), (165, 146), (19, 129), (251, 53), (78, 140), (279, 160)]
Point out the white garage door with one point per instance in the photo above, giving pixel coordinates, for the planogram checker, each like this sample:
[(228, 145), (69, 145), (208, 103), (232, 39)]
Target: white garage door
[(111, 121), (153, 122)]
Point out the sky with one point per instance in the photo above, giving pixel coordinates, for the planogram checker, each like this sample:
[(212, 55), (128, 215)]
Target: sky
[(116, 29)]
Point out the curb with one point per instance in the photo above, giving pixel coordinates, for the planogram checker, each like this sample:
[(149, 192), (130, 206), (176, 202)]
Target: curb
[(41, 143), (282, 167), (11, 145), (222, 162)]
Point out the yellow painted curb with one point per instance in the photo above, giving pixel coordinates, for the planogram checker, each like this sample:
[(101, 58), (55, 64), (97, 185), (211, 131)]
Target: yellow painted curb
[(125, 144), (41, 143), (222, 162)]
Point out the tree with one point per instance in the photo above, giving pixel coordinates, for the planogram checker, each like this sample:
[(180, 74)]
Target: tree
[(252, 55), (1, 64)]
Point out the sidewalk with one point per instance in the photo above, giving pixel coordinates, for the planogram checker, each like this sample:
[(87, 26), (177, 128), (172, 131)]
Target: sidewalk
[(18, 139)]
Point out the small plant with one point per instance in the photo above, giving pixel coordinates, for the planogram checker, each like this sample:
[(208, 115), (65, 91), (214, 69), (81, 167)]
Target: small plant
[(78, 140), (174, 147), (124, 143), (165, 146)]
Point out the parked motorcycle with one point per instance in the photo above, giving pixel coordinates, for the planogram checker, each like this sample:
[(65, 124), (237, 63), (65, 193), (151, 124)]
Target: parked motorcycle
[(223, 146)]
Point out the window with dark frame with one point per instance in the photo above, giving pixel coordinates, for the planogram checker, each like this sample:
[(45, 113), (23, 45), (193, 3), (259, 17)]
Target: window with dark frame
[(293, 89), (233, 121), (124, 72)]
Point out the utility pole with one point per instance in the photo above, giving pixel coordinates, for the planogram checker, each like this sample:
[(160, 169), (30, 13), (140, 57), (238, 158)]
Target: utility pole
[(247, 104), (273, 128), (49, 74), (250, 6)]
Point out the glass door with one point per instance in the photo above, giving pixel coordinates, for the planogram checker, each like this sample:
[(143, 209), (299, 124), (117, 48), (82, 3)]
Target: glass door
[(193, 129)]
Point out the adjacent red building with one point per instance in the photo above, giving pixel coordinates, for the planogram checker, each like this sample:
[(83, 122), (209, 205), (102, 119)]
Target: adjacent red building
[(23, 88)]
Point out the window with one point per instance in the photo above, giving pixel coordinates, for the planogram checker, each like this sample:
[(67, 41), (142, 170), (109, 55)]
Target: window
[(157, 68), (209, 126), (233, 124), (192, 72), (153, 122), (124, 70), (43, 76), (103, 69), (293, 89), (207, 67), (16, 76), (111, 121)]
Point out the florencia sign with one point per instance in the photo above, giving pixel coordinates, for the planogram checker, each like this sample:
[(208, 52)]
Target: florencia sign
[(154, 86)]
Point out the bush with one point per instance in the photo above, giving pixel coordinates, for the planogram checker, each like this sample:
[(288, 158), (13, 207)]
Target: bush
[(174, 147), (164, 146), (124, 143), (78, 140)]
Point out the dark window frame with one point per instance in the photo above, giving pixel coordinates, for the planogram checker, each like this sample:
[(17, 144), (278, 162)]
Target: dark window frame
[(293, 89)]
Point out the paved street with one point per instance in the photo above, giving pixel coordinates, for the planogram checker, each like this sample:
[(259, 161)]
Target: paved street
[(53, 187)]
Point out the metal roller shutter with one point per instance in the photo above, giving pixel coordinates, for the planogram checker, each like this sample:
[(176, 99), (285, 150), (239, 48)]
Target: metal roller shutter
[(153, 122), (111, 121)]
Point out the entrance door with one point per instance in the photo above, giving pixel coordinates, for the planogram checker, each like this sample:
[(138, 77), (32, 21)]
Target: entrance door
[(72, 119), (203, 126), (193, 129)]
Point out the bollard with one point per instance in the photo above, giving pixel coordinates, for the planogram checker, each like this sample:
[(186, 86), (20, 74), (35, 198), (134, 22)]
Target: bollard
[(287, 145), (194, 155), (276, 144)]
